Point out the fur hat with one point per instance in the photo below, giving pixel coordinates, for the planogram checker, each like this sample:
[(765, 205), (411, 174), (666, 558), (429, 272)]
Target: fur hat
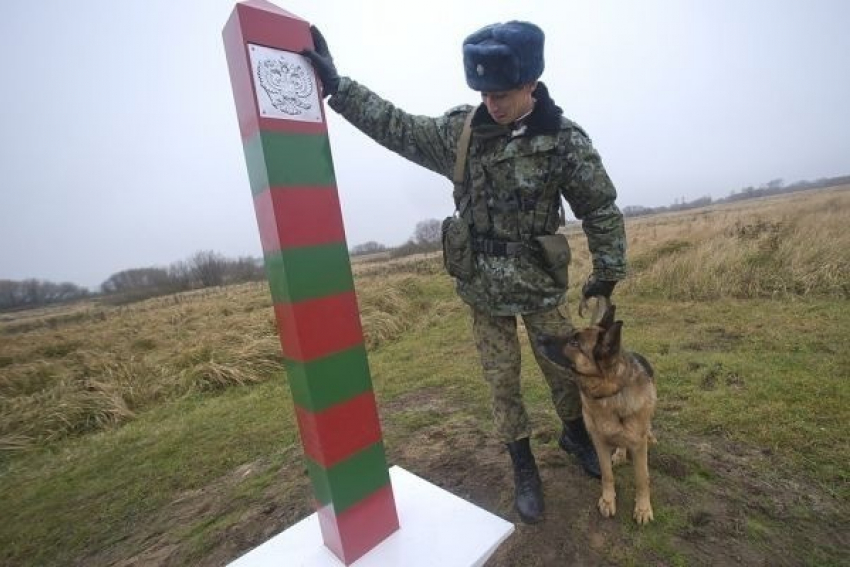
[(501, 57)]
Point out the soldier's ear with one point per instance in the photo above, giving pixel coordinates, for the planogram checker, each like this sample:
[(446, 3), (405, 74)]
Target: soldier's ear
[(608, 344)]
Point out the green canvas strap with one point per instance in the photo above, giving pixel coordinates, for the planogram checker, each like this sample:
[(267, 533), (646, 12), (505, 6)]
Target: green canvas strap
[(463, 148), (461, 194)]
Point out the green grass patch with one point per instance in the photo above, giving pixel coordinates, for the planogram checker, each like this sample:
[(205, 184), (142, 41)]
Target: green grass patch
[(771, 384), (84, 494)]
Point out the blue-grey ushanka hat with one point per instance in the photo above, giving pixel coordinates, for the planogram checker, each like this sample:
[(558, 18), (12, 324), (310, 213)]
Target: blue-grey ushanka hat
[(501, 57)]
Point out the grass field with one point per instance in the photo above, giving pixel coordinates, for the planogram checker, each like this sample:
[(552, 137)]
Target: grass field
[(162, 432)]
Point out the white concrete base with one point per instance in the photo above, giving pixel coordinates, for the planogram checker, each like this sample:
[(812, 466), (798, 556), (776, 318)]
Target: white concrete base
[(437, 528)]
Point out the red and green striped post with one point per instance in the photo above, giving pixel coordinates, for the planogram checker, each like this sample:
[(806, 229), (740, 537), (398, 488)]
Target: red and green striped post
[(285, 139)]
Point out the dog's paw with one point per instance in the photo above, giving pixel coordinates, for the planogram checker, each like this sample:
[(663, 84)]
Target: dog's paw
[(607, 506), (619, 457), (643, 513)]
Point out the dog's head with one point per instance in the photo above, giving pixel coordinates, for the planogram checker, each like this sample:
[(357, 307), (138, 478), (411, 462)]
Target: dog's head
[(587, 352)]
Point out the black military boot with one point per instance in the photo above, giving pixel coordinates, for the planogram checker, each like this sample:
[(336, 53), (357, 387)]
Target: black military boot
[(575, 441), (528, 490)]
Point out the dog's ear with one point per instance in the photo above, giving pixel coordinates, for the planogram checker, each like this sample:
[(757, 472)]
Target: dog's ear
[(608, 318), (608, 344)]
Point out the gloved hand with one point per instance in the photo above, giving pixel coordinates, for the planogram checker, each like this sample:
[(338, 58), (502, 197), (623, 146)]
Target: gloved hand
[(323, 63), (594, 288), (600, 289)]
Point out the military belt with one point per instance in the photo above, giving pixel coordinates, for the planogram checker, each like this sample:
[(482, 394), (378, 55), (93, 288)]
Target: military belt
[(498, 247)]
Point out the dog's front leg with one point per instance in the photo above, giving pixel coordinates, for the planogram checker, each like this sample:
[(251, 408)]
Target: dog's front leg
[(643, 508), (608, 501)]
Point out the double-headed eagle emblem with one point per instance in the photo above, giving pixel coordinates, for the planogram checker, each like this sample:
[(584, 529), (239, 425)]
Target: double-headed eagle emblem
[(288, 85)]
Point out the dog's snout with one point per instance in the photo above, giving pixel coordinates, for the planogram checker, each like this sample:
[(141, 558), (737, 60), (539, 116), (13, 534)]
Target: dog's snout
[(553, 348), (546, 343)]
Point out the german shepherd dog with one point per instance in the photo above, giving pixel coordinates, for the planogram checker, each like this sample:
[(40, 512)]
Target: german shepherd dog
[(618, 399)]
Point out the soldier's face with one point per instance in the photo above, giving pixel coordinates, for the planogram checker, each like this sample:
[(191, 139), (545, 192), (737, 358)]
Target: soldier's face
[(506, 106)]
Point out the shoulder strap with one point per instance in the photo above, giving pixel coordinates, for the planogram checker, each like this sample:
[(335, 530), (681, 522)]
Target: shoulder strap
[(463, 148), (462, 196)]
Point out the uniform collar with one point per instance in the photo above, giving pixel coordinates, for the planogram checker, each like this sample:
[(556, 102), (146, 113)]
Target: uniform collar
[(544, 119)]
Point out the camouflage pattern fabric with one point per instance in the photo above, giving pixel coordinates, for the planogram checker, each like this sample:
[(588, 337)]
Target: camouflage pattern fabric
[(515, 182), (498, 345)]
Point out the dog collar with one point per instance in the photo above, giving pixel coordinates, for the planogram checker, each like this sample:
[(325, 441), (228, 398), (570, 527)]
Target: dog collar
[(620, 389)]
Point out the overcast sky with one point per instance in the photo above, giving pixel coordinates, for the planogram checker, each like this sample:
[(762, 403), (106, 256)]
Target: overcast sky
[(119, 146)]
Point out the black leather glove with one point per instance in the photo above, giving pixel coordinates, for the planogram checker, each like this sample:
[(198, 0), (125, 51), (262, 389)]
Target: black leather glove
[(594, 287), (323, 63)]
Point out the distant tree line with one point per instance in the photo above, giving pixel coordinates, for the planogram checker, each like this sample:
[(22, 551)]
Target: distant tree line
[(370, 247), (427, 237), (36, 293), (772, 187), (203, 269)]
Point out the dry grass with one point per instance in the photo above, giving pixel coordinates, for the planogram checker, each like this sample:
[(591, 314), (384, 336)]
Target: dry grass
[(392, 305), (68, 371), (794, 245)]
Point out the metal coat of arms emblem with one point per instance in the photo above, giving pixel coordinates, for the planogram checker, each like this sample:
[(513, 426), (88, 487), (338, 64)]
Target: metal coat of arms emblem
[(284, 85)]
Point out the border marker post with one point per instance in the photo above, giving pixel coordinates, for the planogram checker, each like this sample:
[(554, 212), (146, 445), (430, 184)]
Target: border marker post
[(290, 169)]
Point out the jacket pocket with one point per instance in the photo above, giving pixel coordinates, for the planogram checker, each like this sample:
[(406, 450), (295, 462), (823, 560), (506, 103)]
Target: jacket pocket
[(556, 256), (457, 248)]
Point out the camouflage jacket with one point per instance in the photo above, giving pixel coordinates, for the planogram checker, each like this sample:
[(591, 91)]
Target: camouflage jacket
[(515, 179)]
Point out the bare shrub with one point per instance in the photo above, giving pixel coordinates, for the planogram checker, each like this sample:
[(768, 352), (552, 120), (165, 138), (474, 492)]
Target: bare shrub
[(208, 267), (428, 232)]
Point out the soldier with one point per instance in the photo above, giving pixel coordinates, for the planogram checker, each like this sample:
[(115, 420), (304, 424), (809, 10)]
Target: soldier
[(523, 155)]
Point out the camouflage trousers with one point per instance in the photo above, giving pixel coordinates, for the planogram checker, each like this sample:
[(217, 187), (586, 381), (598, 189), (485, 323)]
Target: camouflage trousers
[(497, 339)]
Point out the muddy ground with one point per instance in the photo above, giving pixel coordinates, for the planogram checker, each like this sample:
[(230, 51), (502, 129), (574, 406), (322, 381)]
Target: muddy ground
[(712, 506)]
